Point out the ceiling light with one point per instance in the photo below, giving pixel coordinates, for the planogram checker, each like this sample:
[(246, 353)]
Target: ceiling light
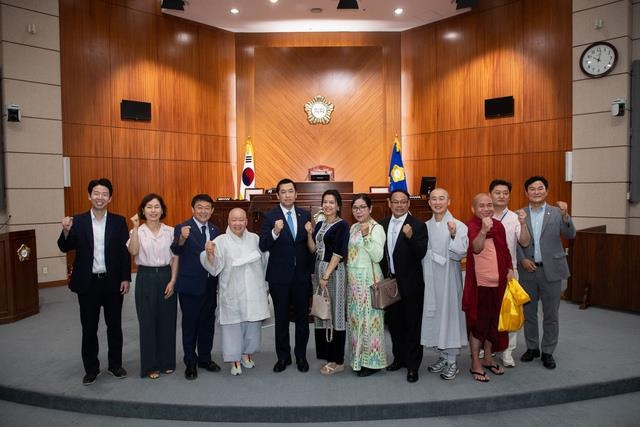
[(399, 11), (348, 4), (172, 4), (273, 1), (315, 10), (235, 11)]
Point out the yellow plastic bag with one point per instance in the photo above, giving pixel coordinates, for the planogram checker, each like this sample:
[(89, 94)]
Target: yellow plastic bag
[(511, 311)]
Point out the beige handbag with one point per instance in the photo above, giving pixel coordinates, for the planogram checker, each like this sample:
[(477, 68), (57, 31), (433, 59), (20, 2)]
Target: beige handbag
[(321, 304), (384, 293)]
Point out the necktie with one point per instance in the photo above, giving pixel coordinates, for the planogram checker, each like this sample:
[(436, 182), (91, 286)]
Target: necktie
[(204, 231), (394, 233), (290, 223)]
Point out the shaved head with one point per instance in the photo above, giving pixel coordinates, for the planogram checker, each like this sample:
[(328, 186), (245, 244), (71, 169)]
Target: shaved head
[(237, 221)]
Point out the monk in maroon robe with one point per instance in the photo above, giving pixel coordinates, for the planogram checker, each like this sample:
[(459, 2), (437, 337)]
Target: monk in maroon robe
[(489, 268)]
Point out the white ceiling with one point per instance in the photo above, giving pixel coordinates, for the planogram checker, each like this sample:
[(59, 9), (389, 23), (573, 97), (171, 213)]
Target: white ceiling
[(258, 16)]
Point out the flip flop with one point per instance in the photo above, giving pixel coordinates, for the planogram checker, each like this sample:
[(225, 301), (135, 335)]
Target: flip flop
[(495, 369), (483, 374)]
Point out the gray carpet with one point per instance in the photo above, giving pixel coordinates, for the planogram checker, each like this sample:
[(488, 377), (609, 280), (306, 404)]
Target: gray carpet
[(597, 356)]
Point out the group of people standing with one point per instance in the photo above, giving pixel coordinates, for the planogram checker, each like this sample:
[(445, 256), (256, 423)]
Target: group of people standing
[(197, 266)]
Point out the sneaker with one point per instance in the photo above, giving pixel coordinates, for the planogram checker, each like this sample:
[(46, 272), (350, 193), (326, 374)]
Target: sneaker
[(119, 373), (450, 372), (508, 362), (89, 378), (438, 366), (236, 369), (247, 361)]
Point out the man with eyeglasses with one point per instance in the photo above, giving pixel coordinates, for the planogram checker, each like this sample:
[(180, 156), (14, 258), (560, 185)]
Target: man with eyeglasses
[(405, 247)]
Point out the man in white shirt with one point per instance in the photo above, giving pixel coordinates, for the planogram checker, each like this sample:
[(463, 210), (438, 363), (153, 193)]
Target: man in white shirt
[(516, 230)]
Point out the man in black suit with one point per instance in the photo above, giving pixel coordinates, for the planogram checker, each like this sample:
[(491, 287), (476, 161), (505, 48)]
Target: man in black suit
[(283, 234), (405, 248), (196, 287), (101, 275)]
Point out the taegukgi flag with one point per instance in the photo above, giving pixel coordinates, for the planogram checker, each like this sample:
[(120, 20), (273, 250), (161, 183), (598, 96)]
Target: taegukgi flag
[(248, 170), (397, 178)]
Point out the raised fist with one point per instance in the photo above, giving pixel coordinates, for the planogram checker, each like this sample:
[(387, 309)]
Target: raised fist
[(487, 224), (563, 208), (67, 223), (135, 220), (364, 229), (309, 227), (278, 226), (185, 232), (451, 225), (407, 230), (522, 216)]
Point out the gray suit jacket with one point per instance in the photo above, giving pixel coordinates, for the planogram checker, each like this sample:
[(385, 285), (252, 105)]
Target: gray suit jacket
[(553, 255)]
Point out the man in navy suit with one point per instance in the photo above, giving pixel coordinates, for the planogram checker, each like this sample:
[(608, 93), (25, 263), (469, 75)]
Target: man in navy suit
[(406, 246), (196, 287), (283, 234), (101, 275)]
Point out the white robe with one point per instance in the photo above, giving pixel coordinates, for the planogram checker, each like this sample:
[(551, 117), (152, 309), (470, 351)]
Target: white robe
[(443, 321), (239, 265)]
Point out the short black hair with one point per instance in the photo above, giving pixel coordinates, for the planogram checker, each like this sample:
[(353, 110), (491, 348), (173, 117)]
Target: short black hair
[(399, 190), (362, 196), (101, 181), (497, 182), (285, 181), (201, 198), (533, 179), (336, 195), (149, 197)]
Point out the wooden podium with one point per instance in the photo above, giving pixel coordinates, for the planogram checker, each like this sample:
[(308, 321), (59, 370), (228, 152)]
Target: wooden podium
[(19, 276)]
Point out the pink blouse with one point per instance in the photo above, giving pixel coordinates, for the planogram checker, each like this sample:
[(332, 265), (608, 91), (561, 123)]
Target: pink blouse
[(154, 250)]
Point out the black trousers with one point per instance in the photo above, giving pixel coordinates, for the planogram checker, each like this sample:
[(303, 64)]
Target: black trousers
[(157, 320), (405, 323), (198, 321), (90, 303), (295, 296), (330, 351)]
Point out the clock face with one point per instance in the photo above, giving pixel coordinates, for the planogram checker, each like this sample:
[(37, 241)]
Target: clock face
[(598, 59)]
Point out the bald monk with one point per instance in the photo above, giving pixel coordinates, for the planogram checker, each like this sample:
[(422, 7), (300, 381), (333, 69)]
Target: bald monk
[(242, 291)]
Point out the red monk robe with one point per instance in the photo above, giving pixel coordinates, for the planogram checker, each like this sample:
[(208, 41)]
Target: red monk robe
[(470, 293)]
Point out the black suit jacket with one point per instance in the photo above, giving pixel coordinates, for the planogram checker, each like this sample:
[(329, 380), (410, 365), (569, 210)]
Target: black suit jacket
[(407, 257), (117, 258), (289, 258), (192, 277)]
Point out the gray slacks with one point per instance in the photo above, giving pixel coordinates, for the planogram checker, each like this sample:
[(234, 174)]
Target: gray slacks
[(548, 293)]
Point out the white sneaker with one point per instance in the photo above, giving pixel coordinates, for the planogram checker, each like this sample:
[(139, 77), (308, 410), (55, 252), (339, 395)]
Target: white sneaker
[(236, 369), (508, 362), (450, 372), (438, 366), (247, 361)]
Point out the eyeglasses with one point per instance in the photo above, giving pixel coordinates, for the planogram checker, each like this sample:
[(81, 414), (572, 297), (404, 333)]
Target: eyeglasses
[(359, 208), (399, 202)]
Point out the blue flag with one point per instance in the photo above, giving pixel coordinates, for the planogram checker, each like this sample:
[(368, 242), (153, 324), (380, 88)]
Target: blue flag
[(397, 178)]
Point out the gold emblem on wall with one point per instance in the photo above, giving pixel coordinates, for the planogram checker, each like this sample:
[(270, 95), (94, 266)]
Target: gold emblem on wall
[(318, 110), (24, 252)]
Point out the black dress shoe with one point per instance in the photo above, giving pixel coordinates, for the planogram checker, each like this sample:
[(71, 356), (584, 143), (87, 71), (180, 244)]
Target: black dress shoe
[(281, 365), (119, 373), (89, 378), (529, 355), (394, 366), (365, 372), (548, 361), (412, 376), (303, 365), (191, 373), (210, 366)]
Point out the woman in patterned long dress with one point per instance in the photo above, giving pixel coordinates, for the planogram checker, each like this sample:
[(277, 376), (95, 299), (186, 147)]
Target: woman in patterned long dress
[(366, 324), (329, 241)]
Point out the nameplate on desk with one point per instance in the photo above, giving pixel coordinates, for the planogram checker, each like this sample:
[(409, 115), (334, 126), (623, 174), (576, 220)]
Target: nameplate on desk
[(224, 199), (415, 197)]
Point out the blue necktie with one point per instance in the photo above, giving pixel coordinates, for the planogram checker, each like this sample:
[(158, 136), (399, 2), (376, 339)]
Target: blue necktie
[(290, 223), (204, 231)]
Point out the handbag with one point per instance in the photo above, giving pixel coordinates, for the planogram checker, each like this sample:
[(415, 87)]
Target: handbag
[(384, 293), (511, 312), (321, 308)]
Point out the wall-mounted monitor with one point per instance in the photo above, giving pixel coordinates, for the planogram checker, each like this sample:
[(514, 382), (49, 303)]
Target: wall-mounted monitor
[(427, 184), (135, 110)]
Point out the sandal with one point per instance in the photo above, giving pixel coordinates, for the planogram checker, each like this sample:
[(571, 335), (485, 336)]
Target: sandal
[(495, 369), (168, 371), (331, 368), (154, 375), (479, 376)]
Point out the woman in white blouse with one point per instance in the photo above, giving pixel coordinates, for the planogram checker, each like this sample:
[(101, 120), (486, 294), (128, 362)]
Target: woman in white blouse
[(156, 303)]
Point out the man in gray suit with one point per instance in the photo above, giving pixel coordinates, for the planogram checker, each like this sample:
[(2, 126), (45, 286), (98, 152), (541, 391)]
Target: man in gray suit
[(542, 266)]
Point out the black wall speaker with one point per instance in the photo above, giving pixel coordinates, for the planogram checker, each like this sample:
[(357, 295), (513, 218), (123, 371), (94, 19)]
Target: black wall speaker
[(135, 110), (498, 107), (427, 184)]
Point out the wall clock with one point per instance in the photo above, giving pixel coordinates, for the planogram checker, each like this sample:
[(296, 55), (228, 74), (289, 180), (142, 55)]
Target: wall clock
[(598, 59)]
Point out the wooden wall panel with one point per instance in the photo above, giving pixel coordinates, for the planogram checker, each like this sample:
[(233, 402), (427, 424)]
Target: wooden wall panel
[(502, 48), (367, 111), (115, 49), (84, 64)]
